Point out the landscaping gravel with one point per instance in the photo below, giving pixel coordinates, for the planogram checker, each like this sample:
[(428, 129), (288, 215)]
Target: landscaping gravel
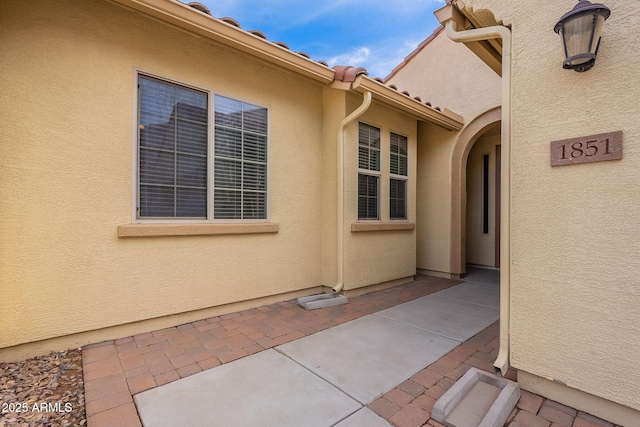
[(43, 391)]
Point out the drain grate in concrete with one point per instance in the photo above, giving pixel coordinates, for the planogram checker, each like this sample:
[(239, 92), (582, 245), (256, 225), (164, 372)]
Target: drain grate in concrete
[(478, 399)]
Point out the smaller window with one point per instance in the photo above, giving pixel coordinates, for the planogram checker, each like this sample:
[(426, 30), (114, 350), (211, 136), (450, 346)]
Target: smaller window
[(368, 171), (485, 194), (398, 167), (368, 147), (397, 199), (398, 160), (368, 196)]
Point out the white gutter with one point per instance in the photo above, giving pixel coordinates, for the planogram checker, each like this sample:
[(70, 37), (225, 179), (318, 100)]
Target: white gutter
[(502, 362), (341, 137)]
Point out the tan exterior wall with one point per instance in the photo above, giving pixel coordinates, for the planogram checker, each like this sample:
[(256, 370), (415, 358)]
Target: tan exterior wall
[(67, 171), (378, 256), (434, 199), (481, 246), (67, 168), (449, 75), (574, 246)]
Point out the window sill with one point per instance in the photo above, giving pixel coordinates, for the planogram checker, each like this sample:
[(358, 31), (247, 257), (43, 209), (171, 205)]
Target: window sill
[(382, 226), (157, 230)]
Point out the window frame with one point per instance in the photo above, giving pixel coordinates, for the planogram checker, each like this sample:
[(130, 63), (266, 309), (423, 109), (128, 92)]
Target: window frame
[(370, 172), (399, 177), (211, 95)]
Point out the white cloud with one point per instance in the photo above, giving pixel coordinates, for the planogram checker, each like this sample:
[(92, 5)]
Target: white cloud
[(356, 57)]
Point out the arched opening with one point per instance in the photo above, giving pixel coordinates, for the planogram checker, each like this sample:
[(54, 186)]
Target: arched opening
[(475, 194)]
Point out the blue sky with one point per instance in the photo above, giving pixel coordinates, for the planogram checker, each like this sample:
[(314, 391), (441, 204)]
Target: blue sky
[(374, 34)]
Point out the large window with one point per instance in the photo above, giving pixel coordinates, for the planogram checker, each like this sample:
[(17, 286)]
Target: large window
[(368, 172), (398, 168), (240, 160), (174, 153)]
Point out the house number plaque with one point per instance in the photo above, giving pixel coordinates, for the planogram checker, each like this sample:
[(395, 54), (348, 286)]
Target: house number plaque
[(593, 148)]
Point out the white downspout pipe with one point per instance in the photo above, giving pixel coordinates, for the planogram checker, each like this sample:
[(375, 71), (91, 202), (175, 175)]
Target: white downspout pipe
[(502, 362), (341, 137)]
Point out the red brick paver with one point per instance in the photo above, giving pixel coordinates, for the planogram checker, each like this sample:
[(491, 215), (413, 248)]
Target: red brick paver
[(116, 370), (479, 351)]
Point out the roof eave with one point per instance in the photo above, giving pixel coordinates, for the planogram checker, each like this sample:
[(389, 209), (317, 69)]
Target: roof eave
[(447, 119), (489, 51), (187, 18)]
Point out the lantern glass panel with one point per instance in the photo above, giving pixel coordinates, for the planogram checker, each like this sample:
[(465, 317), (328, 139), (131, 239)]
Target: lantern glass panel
[(577, 37)]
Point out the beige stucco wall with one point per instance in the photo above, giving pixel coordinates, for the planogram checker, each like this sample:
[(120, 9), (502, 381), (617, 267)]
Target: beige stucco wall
[(575, 255), (378, 256), (67, 149), (67, 101), (433, 200), (481, 247), (449, 75)]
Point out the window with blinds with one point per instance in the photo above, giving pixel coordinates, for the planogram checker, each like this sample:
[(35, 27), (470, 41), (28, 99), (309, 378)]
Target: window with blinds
[(397, 199), (172, 150), (398, 157), (398, 168), (173, 155), (240, 189), (368, 171)]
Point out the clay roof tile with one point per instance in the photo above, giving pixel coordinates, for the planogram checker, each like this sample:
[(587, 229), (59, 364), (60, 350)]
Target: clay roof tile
[(199, 6), (258, 33), (282, 44), (231, 21)]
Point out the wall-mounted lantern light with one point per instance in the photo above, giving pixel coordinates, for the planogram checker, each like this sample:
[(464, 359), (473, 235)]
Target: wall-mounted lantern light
[(580, 31)]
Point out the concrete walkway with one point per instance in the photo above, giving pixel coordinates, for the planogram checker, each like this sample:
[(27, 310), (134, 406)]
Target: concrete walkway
[(383, 359)]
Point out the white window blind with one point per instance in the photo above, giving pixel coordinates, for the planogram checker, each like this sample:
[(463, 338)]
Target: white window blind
[(397, 199), (398, 168), (398, 157), (172, 150), (240, 189), (368, 147), (369, 171)]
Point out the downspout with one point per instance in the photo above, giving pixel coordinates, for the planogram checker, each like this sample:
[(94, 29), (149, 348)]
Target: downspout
[(502, 362), (341, 137)]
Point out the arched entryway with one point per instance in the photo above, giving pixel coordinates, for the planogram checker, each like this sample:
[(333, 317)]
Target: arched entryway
[(478, 210)]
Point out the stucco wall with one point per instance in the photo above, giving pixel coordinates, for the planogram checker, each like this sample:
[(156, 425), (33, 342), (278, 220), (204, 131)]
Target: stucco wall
[(378, 256), (575, 253), (68, 100), (449, 75), (434, 198), (67, 105)]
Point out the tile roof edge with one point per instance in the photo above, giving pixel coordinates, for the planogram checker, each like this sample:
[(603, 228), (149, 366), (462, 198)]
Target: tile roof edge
[(424, 110), (413, 53), (227, 31)]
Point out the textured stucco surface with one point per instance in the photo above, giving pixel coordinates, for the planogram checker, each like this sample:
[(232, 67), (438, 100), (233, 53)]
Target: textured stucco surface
[(449, 75), (67, 100), (379, 256), (575, 254), (433, 241)]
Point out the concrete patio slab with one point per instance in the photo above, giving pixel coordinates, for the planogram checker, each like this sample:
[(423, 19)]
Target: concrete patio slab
[(364, 417), (266, 389), (369, 356), (487, 294), (482, 275), (450, 318)]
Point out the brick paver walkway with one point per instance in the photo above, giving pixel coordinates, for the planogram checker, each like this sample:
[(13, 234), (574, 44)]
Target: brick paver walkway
[(410, 404), (116, 370)]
